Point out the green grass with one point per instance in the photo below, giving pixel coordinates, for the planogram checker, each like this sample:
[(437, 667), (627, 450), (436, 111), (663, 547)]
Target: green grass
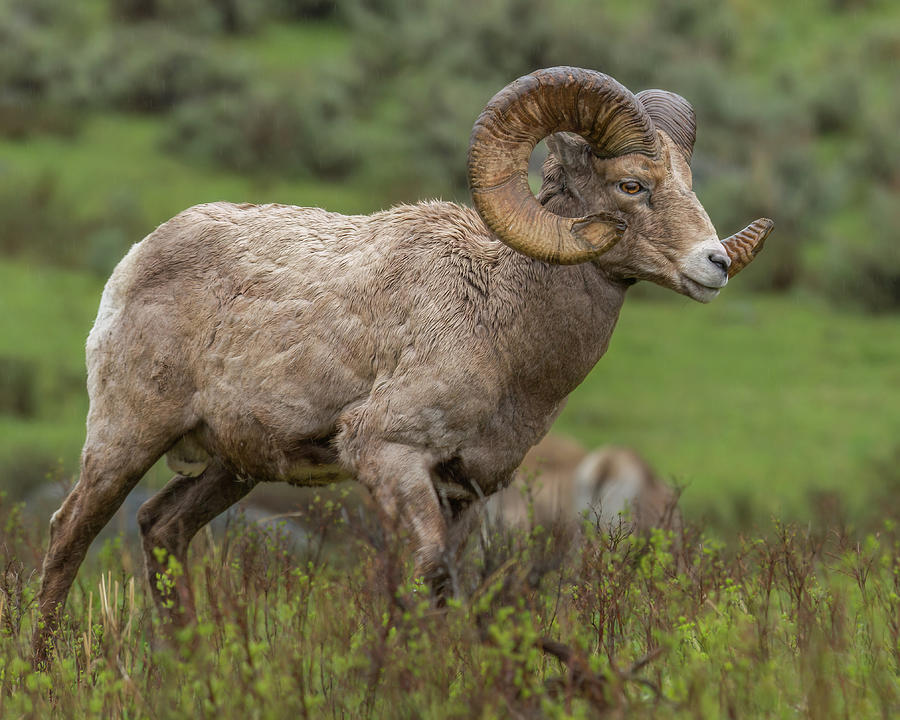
[(45, 315), (285, 52), (758, 400), (119, 160), (756, 403), (785, 627)]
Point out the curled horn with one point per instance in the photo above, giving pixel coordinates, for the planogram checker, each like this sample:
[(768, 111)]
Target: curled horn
[(674, 115), (527, 110)]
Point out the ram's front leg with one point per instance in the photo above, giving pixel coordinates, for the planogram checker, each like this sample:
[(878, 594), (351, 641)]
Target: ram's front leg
[(399, 478)]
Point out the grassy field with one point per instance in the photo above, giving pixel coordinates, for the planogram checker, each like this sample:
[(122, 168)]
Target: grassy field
[(757, 404), (797, 625), (139, 172), (44, 318), (282, 51)]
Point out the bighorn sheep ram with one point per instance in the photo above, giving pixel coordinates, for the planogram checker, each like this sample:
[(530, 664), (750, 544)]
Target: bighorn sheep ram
[(558, 483), (422, 350)]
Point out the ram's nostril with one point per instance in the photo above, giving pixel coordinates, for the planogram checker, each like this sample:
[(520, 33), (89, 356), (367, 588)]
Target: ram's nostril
[(720, 260)]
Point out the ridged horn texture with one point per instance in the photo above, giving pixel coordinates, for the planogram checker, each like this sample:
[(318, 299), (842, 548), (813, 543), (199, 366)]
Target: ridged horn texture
[(586, 102), (674, 115), (745, 245)]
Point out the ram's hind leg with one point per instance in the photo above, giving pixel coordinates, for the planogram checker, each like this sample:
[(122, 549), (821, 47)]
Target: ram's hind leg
[(115, 457), (169, 520)]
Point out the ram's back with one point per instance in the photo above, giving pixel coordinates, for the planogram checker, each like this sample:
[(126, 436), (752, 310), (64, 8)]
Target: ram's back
[(272, 322)]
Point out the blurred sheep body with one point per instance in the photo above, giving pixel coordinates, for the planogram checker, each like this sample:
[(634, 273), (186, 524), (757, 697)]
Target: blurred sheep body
[(560, 483), (421, 350)]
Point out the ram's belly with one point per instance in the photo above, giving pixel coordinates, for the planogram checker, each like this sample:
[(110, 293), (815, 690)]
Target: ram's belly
[(258, 456)]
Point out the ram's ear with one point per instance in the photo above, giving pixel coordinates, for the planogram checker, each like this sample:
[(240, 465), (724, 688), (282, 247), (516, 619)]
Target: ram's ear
[(571, 150)]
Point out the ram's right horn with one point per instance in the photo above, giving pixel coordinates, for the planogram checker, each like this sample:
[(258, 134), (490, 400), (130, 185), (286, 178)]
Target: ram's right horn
[(745, 245)]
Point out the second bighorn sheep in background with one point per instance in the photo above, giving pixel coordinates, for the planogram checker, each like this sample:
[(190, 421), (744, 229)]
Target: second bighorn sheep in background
[(559, 482), (422, 350)]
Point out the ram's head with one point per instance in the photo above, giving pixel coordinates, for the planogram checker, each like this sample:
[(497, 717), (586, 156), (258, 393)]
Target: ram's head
[(619, 195)]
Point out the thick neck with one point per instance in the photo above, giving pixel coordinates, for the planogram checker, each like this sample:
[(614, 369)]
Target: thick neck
[(579, 305)]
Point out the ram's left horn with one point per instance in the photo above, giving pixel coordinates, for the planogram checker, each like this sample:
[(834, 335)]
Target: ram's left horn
[(745, 245)]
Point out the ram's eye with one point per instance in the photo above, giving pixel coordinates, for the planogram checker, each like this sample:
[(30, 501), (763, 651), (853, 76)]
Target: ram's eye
[(631, 187)]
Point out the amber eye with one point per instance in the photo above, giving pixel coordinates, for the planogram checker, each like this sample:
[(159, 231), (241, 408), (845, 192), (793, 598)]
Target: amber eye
[(631, 187)]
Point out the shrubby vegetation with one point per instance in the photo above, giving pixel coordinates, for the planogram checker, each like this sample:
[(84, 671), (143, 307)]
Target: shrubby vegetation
[(797, 624), (37, 73), (219, 16), (796, 107), (260, 131), (149, 69)]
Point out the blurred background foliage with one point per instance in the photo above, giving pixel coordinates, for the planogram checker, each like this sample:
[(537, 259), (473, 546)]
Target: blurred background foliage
[(797, 106), (117, 114)]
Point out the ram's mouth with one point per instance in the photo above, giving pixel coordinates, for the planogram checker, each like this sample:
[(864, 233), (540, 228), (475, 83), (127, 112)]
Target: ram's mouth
[(699, 291)]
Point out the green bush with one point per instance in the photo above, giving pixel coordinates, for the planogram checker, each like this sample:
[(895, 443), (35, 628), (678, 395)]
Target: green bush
[(205, 16), (38, 68), (39, 220), (148, 68), (18, 387), (306, 9), (261, 131), (860, 267), (234, 17)]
